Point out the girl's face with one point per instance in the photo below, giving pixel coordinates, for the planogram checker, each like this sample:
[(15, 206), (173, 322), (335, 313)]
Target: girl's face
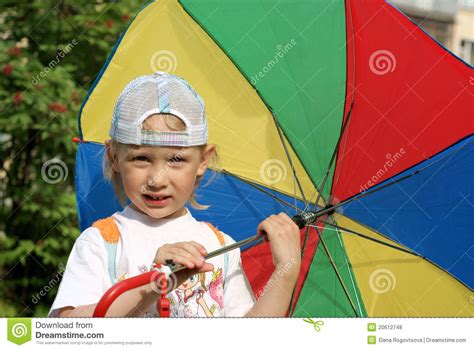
[(189, 283), (169, 172)]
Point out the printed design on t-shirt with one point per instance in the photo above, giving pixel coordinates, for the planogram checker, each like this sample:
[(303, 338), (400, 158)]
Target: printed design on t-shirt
[(194, 297), (216, 288), (142, 268)]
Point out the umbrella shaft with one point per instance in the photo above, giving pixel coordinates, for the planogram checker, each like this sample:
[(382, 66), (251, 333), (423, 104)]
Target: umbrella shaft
[(223, 250), (301, 220)]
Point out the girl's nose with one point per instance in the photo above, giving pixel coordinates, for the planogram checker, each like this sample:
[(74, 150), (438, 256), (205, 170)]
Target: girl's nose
[(158, 179)]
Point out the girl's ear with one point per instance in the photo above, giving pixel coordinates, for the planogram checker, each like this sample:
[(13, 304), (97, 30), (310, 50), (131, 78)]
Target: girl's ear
[(112, 158), (206, 157)]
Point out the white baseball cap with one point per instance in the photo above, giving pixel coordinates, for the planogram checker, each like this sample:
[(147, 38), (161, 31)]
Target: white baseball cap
[(159, 93)]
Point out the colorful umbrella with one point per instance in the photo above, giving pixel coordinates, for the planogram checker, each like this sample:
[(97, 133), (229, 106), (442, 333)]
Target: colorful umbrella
[(345, 109)]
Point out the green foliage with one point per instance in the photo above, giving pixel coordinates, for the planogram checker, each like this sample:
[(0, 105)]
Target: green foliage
[(50, 54)]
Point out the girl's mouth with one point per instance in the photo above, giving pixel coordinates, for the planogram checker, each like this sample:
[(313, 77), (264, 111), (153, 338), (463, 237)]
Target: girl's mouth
[(155, 200)]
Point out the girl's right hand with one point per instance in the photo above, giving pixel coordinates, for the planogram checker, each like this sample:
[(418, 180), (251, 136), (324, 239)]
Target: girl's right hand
[(190, 254)]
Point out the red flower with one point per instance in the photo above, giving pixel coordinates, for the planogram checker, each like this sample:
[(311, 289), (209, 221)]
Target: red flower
[(14, 51), (17, 98), (109, 23), (126, 17), (7, 69), (57, 107)]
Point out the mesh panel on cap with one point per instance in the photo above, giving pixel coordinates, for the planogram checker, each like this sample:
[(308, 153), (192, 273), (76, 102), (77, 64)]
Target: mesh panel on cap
[(138, 101), (183, 100)]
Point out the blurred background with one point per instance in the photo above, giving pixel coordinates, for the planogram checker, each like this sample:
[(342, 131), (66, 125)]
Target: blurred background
[(450, 22), (50, 54)]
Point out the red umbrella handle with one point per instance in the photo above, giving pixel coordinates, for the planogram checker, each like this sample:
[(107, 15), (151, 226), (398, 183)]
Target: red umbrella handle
[(153, 276)]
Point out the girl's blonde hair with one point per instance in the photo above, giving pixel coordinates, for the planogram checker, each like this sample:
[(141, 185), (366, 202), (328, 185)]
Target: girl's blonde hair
[(118, 151)]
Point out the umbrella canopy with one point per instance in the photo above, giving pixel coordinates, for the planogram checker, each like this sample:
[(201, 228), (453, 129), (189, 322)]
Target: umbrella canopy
[(316, 105)]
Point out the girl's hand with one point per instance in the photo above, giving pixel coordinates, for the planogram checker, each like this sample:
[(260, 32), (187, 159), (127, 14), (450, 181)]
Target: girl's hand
[(284, 237), (190, 254)]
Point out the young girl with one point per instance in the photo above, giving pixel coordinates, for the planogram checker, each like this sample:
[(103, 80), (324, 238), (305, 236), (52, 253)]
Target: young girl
[(157, 156)]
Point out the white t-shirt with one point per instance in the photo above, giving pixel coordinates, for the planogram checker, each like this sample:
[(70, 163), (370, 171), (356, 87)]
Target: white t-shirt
[(217, 293)]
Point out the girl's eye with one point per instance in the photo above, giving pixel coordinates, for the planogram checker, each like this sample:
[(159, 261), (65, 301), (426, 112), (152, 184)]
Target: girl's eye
[(176, 159), (140, 158)]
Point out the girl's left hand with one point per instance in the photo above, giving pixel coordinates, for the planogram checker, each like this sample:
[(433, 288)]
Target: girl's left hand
[(284, 237)]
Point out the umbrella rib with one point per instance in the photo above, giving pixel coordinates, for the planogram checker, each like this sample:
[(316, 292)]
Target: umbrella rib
[(317, 230), (295, 176), (349, 268), (373, 190), (334, 155), (345, 123), (342, 228), (418, 255), (333, 265), (226, 172), (308, 202), (320, 191), (323, 183), (393, 182), (290, 311), (330, 209)]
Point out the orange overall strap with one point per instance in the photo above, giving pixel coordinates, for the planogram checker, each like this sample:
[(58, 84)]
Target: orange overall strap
[(111, 234), (108, 229), (218, 233)]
